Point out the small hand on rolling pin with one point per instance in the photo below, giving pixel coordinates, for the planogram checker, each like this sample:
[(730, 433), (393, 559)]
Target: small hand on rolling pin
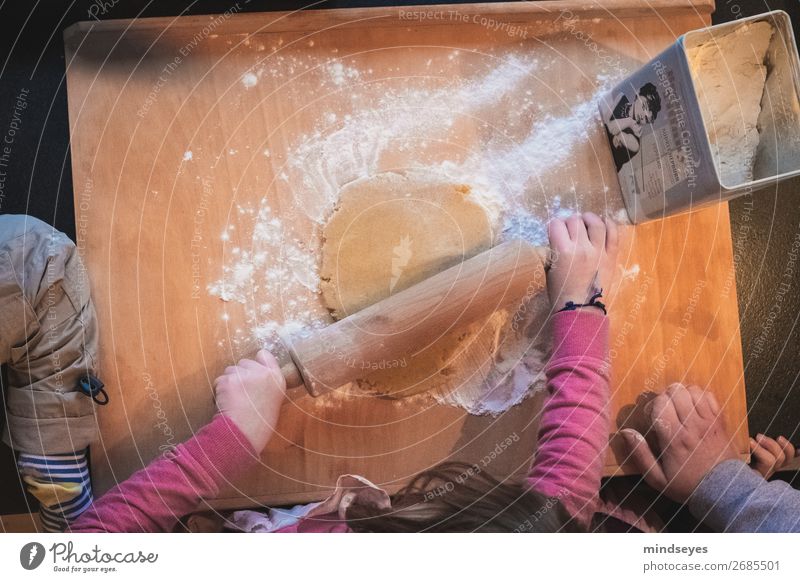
[(250, 394)]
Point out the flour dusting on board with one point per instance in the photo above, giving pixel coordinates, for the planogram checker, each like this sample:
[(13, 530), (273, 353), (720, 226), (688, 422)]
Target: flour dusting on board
[(249, 80), (522, 151)]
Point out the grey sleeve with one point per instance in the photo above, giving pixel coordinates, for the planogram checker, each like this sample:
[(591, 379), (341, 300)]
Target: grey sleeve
[(735, 498)]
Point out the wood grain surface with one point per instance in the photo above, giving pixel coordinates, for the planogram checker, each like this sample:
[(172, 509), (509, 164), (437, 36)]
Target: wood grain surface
[(149, 228)]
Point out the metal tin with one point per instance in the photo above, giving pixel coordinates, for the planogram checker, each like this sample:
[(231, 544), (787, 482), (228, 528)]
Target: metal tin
[(673, 170)]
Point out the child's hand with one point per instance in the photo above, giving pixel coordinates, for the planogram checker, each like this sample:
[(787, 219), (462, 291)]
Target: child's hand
[(769, 455), (585, 249), (250, 394), (690, 437)]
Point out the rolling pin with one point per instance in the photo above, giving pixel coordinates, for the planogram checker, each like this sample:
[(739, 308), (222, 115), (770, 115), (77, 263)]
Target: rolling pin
[(400, 325)]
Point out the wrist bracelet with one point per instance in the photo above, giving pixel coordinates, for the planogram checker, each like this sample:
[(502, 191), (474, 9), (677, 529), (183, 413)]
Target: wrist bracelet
[(593, 302)]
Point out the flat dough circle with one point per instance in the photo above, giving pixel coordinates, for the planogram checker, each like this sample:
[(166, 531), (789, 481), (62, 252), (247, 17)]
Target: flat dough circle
[(388, 232)]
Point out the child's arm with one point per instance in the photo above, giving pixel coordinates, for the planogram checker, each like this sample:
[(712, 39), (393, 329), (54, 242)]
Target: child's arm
[(693, 460), (732, 497), (574, 426), (48, 341), (573, 432), (155, 498), (152, 500)]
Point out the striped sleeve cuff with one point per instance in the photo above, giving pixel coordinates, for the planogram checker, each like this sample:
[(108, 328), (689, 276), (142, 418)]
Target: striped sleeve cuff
[(61, 483)]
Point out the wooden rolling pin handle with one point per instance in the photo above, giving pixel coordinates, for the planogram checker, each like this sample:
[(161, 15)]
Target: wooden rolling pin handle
[(399, 326)]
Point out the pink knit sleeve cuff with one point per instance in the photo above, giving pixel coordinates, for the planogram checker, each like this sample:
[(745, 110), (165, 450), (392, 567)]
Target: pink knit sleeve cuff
[(580, 333)]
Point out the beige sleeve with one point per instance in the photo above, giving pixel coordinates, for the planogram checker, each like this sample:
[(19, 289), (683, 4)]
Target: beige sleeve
[(48, 338)]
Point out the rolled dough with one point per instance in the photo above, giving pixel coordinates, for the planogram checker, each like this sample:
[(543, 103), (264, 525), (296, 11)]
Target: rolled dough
[(388, 232)]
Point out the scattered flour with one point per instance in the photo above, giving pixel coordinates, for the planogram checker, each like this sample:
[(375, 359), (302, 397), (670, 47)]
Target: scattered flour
[(523, 153), (630, 273), (621, 216), (341, 74), (187, 155), (249, 80)]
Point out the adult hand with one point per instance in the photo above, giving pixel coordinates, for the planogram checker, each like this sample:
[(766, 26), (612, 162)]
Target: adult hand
[(585, 248), (689, 440), (250, 394)]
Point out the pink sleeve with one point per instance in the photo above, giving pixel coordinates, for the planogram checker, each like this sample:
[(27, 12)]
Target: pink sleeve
[(573, 433), (154, 498)]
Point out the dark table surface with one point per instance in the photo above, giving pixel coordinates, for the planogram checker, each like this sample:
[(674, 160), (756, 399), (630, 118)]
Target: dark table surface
[(765, 226)]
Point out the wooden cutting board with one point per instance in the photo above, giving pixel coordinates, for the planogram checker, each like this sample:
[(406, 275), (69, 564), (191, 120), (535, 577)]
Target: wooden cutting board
[(170, 139)]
